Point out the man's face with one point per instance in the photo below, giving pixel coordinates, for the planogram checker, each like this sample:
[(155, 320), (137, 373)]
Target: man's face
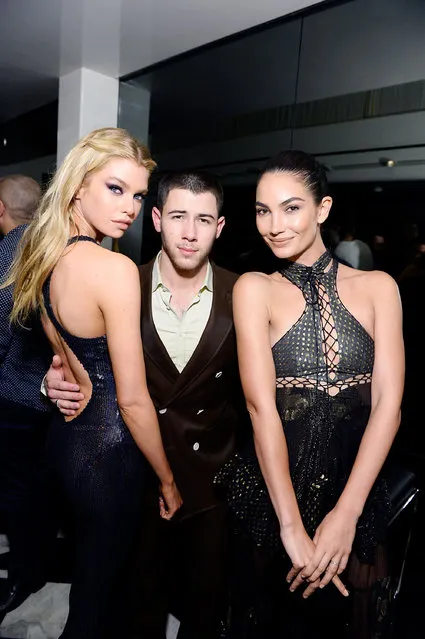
[(189, 224)]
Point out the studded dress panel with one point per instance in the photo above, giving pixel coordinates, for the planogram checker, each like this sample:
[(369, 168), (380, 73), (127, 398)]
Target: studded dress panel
[(324, 367), (100, 474)]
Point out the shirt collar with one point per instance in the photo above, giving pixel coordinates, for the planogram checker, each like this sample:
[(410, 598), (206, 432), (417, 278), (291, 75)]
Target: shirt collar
[(157, 278), (156, 274)]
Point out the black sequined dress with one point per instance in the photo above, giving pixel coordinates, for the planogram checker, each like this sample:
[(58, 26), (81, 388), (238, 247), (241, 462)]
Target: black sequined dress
[(324, 369), (100, 473)]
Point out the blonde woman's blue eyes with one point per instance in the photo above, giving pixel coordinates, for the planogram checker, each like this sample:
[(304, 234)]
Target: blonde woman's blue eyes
[(118, 191), (115, 189)]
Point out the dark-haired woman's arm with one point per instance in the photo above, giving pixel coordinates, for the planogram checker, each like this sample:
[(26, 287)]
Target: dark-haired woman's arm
[(258, 377), (334, 536)]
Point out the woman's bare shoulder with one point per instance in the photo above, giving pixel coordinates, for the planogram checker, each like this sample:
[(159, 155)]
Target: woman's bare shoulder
[(104, 271), (101, 258), (375, 283), (252, 283), (368, 278), (117, 260)]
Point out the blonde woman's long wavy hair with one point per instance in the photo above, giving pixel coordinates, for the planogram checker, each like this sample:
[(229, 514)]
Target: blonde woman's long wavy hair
[(46, 237)]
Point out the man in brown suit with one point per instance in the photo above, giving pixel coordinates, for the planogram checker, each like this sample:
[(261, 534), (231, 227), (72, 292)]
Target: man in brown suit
[(191, 367)]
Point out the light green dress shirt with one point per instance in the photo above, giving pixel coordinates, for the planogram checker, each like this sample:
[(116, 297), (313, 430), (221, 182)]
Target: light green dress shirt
[(180, 334)]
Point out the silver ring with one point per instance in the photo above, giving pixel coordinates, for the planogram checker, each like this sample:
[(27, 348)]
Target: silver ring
[(334, 563), (57, 403)]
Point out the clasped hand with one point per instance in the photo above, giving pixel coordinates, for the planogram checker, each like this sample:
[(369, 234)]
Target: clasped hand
[(320, 560)]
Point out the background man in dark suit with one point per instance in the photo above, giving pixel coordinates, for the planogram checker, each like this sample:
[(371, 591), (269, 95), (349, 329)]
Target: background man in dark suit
[(191, 368), (24, 355)]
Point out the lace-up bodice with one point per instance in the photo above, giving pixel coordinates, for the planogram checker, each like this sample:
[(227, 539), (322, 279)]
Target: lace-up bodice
[(327, 347)]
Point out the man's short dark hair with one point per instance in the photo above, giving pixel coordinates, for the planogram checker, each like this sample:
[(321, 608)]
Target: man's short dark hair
[(196, 182)]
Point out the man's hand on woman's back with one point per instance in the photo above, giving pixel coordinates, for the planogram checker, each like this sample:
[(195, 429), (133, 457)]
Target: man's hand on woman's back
[(65, 395)]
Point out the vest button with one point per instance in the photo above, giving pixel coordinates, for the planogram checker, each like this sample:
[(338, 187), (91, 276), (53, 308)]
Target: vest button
[(162, 411), (219, 374), (196, 446)]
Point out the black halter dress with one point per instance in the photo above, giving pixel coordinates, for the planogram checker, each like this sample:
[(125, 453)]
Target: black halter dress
[(324, 367), (100, 475)]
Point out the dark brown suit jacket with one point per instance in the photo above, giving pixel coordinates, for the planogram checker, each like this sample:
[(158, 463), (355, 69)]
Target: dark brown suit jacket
[(201, 409)]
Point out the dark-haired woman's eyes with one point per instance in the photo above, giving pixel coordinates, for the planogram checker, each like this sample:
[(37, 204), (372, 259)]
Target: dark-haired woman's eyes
[(261, 211), (139, 197), (115, 189), (292, 209)]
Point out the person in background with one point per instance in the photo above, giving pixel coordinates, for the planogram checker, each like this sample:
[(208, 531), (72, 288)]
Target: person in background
[(380, 252), (85, 295), (24, 415), (352, 251), (415, 266)]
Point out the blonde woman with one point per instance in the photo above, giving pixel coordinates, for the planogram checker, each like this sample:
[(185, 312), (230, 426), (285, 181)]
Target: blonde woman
[(90, 305)]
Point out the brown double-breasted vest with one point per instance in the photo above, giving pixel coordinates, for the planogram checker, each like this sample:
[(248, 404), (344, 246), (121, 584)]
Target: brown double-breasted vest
[(201, 409)]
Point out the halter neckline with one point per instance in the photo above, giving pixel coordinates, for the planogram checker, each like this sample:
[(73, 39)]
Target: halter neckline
[(307, 278), (81, 238)]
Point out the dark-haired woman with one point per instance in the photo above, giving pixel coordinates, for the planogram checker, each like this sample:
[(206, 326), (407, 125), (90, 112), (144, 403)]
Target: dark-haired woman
[(322, 366)]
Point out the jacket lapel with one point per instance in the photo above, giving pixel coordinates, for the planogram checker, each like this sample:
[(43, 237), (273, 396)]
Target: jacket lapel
[(219, 325), (152, 343)]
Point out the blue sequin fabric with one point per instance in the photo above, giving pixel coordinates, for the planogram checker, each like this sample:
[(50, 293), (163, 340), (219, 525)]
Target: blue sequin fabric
[(100, 473), (324, 366)]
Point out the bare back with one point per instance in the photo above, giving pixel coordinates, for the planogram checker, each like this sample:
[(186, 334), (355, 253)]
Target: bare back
[(74, 290), (81, 292)]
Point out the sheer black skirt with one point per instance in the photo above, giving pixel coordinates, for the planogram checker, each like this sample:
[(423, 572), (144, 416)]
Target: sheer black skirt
[(100, 475)]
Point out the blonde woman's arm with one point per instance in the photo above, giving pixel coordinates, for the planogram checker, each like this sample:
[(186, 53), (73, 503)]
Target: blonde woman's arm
[(119, 299)]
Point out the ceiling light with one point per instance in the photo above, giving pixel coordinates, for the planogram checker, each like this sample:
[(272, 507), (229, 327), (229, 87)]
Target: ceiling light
[(387, 162)]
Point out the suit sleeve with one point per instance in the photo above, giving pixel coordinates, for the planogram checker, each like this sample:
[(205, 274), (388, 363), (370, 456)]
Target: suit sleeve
[(6, 299)]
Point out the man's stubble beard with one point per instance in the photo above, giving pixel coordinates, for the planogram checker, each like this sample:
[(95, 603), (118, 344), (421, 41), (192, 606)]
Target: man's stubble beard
[(186, 266)]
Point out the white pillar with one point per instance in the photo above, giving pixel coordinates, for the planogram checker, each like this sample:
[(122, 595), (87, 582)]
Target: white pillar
[(134, 107), (87, 100)]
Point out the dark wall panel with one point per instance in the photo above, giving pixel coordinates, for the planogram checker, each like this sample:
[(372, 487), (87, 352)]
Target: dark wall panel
[(29, 136)]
